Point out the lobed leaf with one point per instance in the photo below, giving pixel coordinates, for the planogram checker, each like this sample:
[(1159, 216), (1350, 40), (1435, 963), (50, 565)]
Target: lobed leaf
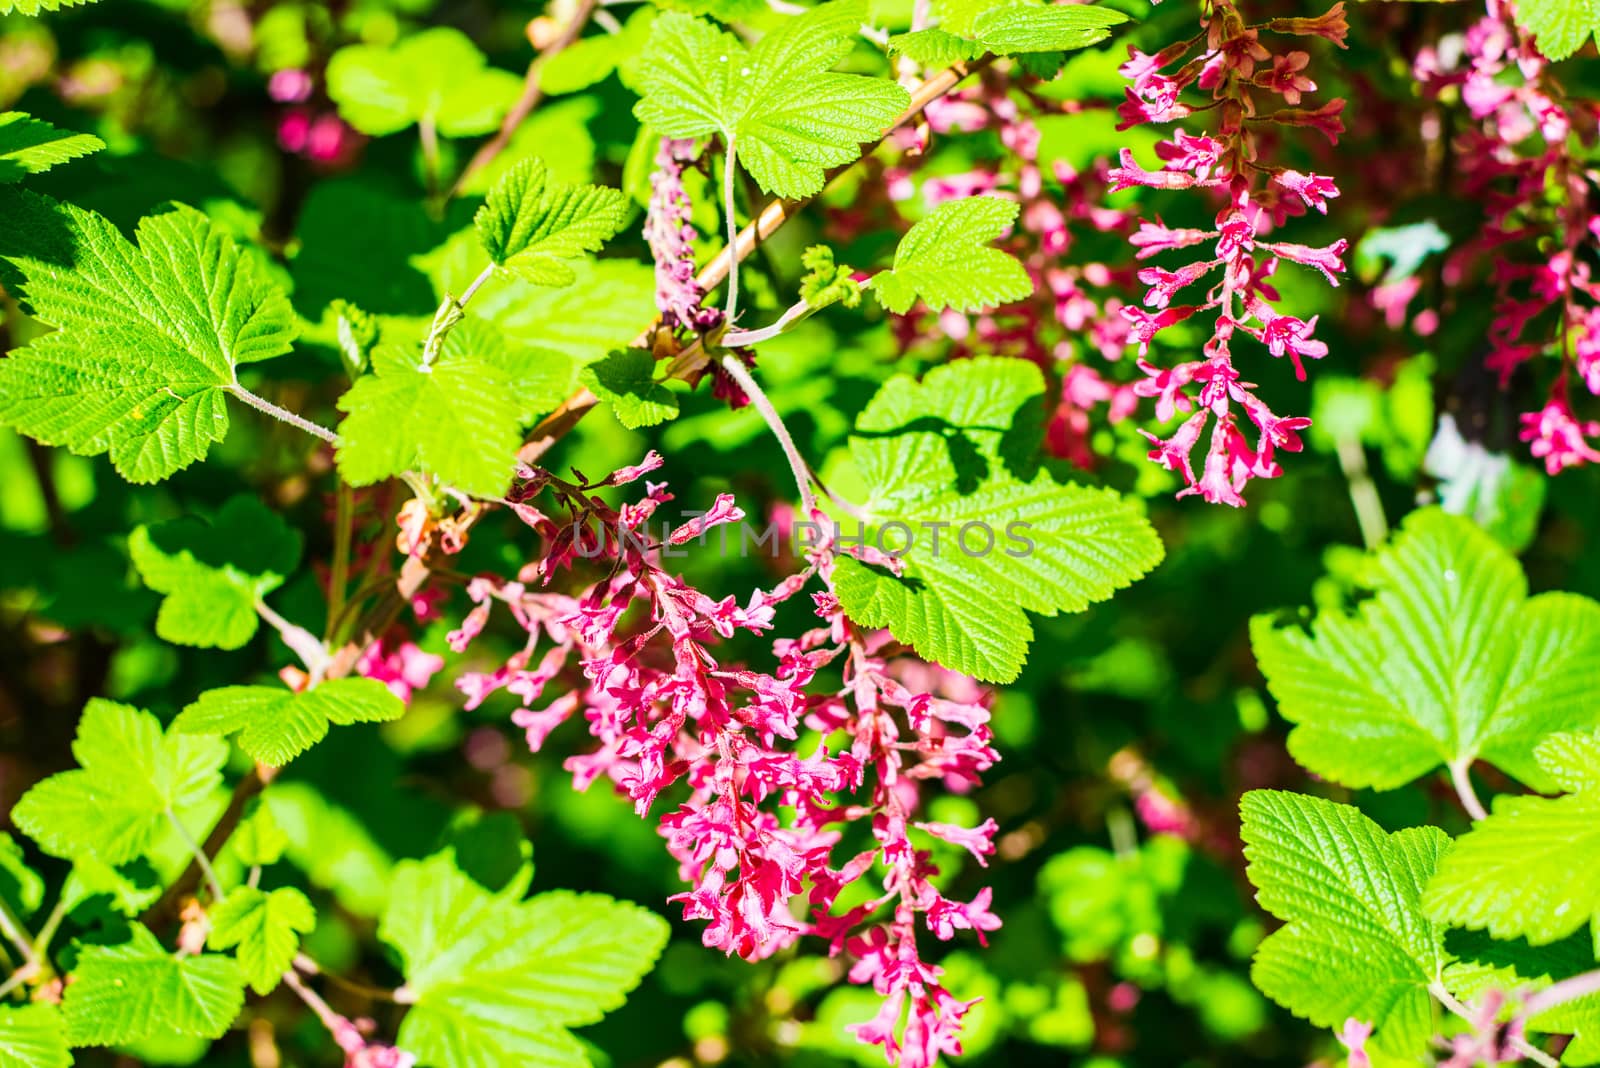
[(437, 77), (945, 260), (530, 224), (32, 146), (33, 1036), (265, 927), (276, 725), (137, 990)]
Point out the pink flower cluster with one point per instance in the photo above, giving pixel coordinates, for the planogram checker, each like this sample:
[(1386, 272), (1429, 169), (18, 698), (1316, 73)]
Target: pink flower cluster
[(1521, 162), (1234, 67), (755, 822), (316, 133), (671, 236)]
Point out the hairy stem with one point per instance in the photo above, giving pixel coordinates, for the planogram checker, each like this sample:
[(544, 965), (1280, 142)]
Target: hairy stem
[(728, 165), (14, 932), (1462, 781), (243, 793), (531, 95), (212, 882), (797, 464), (1578, 986), (339, 568), (795, 313), (307, 646), (1363, 493), (283, 415)]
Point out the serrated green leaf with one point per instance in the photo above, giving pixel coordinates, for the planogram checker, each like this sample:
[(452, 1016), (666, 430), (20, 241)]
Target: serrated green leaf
[(266, 928), (34, 7), (496, 981), (131, 888), (626, 381), (138, 990), (825, 282), (945, 260), (934, 48), (957, 449), (32, 146), (33, 1036), (457, 418), (529, 224), (592, 59), (276, 725), (130, 776), (213, 574), (1007, 29), (1572, 760), (1448, 662), (1355, 942), (149, 337), (788, 117), (1560, 27), (437, 76)]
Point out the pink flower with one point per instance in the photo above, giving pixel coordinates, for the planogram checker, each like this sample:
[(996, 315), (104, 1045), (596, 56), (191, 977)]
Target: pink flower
[(1314, 189), (1154, 238), (979, 840), (404, 669), (1329, 259), (1286, 334), (290, 86), (1558, 437), (1285, 77), (1353, 1037)]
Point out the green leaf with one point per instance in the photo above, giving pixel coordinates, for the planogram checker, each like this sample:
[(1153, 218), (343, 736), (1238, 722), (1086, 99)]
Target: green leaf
[(149, 337), (21, 888), (33, 7), (945, 260), (138, 990), (529, 224), (32, 146), (496, 981), (1516, 968), (33, 1036), (266, 928), (437, 76), (934, 48), (1515, 873), (457, 418), (956, 451), (788, 117), (825, 282), (130, 776), (592, 59), (259, 840), (1355, 942), (1560, 27), (1019, 27), (626, 381), (1448, 662), (214, 574), (276, 725)]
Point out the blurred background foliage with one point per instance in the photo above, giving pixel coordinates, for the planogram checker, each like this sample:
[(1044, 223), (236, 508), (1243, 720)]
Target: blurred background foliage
[(1128, 926)]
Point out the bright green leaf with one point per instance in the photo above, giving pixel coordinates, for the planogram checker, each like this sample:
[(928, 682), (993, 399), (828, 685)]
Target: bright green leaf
[(496, 981), (32, 146), (626, 381), (530, 224), (266, 928), (825, 282), (1516, 968), (1448, 662), (945, 260), (21, 888), (1019, 27), (33, 1036), (1355, 941), (1560, 27), (33, 7), (955, 452), (138, 990), (149, 337), (934, 48), (130, 776), (437, 76), (276, 725), (788, 117)]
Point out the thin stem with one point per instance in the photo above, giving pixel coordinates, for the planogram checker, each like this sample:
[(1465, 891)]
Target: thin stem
[(283, 415), (728, 164), (430, 154), (1527, 1049), (1363, 493), (243, 793), (1463, 784), (797, 464), (339, 569), (18, 977), (47, 933), (795, 313), (330, 1019), (1571, 989), (12, 928), (311, 967), (212, 882), (307, 646)]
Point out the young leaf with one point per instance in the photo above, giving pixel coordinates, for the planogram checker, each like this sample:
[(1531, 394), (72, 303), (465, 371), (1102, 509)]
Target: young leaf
[(946, 261), (266, 927), (934, 48), (529, 224), (276, 725), (493, 980), (955, 452), (1560, 27), (626, 381), (149, 337), (457, 418), (435, 77), (21, 888), (1450, 661), (1017, 27), (788, 117), (137, 990), (214, 574), (33, 1036), (1355, 942), (130, 776), (32, 146), (1514, 873), (825, 282)]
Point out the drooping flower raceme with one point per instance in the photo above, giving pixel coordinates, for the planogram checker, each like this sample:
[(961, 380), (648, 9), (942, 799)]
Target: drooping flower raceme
[(759, 818), (1235, 69)]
